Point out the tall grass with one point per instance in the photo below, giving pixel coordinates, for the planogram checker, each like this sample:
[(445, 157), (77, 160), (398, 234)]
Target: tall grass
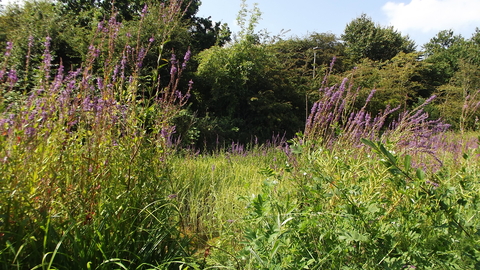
[(83, 160)]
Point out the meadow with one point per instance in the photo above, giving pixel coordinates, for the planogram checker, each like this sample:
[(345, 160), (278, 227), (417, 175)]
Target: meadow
[(92, 178)]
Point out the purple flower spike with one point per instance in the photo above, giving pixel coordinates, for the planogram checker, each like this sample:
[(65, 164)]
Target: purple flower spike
[(173, 70), (12, 77), (9, 48), (144, 11)]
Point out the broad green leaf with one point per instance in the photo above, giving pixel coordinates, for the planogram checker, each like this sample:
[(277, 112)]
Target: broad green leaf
[(420, 174)]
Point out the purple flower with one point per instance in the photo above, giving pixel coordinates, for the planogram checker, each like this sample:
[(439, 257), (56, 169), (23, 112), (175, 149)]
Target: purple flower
[(186, 58), (173, 60), (94, 51), (190, 85), (140, 57), (100, 83), (173, 70), (47, 57), (9, 48), (370, 96), (100, 26), (12, 77), (144, 10), (30, 131), (435, 185)]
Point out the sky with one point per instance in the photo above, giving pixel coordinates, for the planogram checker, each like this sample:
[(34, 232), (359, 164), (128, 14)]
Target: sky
[(419, 19)]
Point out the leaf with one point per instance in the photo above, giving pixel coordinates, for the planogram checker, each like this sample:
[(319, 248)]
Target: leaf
[(420, 174), (354, 236), (389, 155), (407, 162), (373, 208), (369, 143), (296, 149)]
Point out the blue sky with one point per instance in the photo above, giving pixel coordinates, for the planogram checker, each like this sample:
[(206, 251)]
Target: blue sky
[(420, 19)]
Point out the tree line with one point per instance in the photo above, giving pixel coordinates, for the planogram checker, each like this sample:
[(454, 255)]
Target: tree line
[(250, 86)]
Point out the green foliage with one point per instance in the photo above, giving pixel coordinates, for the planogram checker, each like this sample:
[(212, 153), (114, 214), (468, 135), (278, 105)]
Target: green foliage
[(453, 66), (347, 209), (364, 39), (398, 81), (306, 61), (128, 10), (34, 21), (269, 235), (442, 53), (243, 86)]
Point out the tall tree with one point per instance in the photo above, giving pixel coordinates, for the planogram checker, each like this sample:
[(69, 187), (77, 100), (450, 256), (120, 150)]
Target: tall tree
[(441, 42), (442, 53), (454, 69), (245, 90), (365, 39)]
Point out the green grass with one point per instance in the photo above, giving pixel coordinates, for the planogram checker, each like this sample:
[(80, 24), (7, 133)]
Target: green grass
[(346, 208)]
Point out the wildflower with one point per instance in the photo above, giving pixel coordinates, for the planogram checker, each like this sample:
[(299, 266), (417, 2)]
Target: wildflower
[(173, 59), (140, 57), (186, 58), (435, 185), (144, 10), (173, 70), (30, 131), (370, 96), (12, 77), (9, 48), (100, 26), (100, 83)]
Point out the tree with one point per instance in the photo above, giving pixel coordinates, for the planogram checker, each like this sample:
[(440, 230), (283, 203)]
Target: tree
[(305, 61), (242, 88), (441, 42), (206, 33), (442, 53), (398, 82), (454, 67), (127, 9), (364, 39)]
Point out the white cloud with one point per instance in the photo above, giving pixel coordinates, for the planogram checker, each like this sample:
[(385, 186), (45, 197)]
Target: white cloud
[(433, 15), (8, 2)]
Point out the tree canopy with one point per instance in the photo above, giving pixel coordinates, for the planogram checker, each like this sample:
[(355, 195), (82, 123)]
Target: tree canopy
[(365, 39)]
